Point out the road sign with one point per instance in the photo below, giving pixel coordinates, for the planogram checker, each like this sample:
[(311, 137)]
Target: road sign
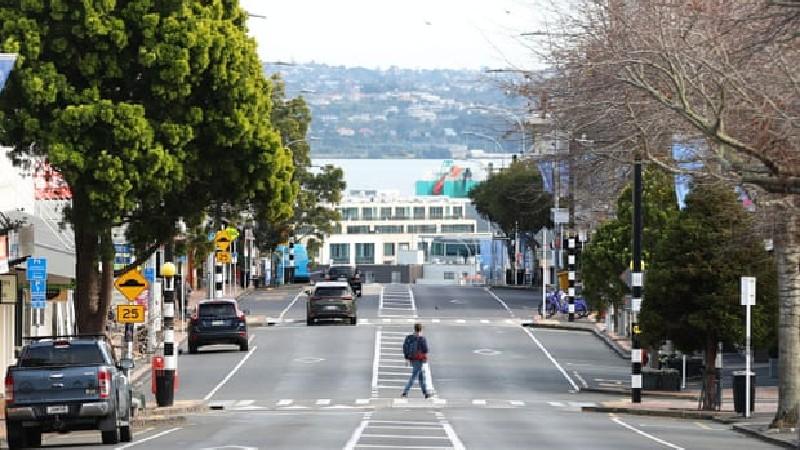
[(38, 288), (131, 284), (130, 313), (150, 274), (222, 240), (36, 269), (224, 257)]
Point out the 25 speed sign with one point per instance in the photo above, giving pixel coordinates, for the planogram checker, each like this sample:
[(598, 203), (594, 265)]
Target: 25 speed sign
[(130, 313)]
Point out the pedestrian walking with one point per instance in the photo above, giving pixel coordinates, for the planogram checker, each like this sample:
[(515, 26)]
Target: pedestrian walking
[(415, 351)]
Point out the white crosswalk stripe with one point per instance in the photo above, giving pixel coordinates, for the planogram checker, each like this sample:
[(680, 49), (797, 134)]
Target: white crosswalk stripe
[(390, 400), (397, 301)]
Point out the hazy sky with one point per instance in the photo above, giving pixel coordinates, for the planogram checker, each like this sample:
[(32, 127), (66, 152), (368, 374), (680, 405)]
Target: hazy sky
[(381, 33)]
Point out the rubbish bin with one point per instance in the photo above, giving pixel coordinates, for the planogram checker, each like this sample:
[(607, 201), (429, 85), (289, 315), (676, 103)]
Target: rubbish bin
[(563, 280), (739, 379)]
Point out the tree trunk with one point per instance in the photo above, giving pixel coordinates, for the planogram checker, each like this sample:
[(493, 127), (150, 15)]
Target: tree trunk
[(92, 288), (710, 396), (787, 253)]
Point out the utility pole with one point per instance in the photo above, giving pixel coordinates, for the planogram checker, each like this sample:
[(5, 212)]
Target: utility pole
[(165, 378), (570, 244), (637, 283)]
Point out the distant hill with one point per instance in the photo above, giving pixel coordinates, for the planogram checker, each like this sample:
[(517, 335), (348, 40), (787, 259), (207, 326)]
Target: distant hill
[(366, 113)]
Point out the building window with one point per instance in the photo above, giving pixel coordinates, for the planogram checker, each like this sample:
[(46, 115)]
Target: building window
[(349, 213), (401, 213), (337, 228), (340, 253), (388, 229), (449, 275), (403, 246), (437, 249), (458, 212), (386, 213), (365, 253), (358, 229), (421, 229), (367, 213), (464, 228), (437, 212), (419, 213), (388, 249)]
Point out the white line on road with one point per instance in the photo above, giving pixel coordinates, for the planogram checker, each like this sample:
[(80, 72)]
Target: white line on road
[(351, 443), (375, 361), (323, 401), (451, 433), (553, 360), (285, 402), (580, 378), (380, 299), (285, 310), (500, 300), (155, 436), (230, 374), (616, 420), (413, 303)]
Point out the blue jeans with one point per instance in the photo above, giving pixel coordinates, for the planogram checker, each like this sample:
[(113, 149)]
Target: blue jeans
[(416, 372)]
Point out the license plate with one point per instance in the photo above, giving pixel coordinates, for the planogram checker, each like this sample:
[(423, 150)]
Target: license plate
[(58, 409), (217, 323), (331, 307)]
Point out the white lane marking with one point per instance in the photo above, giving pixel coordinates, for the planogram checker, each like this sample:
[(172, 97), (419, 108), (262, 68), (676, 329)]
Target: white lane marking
[(616, 420), (230, 374), (450, 432), (500, 300), (285, 402), (413, 303), (484, 320), (376, 360), (436, 320), (478, 401), (351, 443), (242, 403), (323, 401), (553, 360), (155, 436), (556, 404), (517, 403), (285, 310), (362, 401), (461, 321), (426, 369), (250, 341), (380, 299), (580, 378), (403, 436)]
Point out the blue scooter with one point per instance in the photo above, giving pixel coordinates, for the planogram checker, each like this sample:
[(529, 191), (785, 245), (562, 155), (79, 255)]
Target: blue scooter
[(557, 302)]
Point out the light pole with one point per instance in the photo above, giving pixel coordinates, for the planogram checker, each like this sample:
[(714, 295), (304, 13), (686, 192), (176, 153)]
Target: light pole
[(165, 378), (485, 136), (509, 113)]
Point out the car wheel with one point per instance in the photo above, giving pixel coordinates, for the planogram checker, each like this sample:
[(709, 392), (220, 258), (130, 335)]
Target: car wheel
[(34, 437), (15, 435), (309, 322), (353, 320), (125, 434), (244, 346), (192, 349), (110, 436)]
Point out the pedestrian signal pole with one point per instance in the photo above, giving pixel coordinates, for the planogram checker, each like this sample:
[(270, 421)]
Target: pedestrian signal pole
[(570, 244), (637, 284), (165, 379)]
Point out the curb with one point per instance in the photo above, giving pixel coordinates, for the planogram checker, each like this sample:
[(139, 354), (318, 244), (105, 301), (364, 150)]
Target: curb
[(142, 422), (622, 353), (655, 394), (763, 437), (675, 413)]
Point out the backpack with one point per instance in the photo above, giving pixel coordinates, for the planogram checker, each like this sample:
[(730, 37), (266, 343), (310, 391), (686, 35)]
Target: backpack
[(410, 346)]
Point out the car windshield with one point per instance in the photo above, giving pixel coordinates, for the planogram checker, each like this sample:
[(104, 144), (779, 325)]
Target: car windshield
[(341, 271), (332, 291), (62, 355), (223, 310)]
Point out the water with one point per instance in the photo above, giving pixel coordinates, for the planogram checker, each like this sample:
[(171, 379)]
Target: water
[(400, 174)]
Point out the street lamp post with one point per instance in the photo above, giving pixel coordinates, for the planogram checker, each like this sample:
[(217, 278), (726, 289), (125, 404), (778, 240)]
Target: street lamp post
[(485, 136), (511, 114), (165, 378)]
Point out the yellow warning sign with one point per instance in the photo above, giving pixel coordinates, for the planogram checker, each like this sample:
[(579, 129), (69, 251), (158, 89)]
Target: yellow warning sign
[(130, 313), (222, 240), (131, 284), (224, 257)]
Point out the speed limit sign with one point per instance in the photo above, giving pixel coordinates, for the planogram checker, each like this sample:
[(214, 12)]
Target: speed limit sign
[(132, 313)]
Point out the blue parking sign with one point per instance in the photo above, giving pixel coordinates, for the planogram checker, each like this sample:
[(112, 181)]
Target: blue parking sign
[(36, 269)]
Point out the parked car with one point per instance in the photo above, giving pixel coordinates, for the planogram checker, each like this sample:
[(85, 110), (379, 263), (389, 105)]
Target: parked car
[(218, 321), (330, 300), (346, 272), (67, 383)]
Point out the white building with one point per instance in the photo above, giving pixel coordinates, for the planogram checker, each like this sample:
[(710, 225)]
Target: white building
[(385, 228)]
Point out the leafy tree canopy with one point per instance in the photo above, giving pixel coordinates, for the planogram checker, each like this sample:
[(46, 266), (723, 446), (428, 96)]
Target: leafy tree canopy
[(513, 198)]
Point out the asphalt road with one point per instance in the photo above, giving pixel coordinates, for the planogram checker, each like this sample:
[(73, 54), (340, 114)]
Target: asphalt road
[(498, 385)]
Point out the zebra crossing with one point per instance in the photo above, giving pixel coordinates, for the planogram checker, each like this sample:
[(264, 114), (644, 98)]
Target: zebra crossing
[(449, 321), (389, 370), (397, 300), (429, 432), (329, 404)]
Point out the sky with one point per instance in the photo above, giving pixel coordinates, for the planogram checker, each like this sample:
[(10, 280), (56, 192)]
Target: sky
[(415, 34)]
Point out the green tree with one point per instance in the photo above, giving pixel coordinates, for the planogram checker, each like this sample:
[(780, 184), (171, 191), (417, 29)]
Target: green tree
[(312, 214), (609, 252), (514, 199), (151, 111), (692, 288)]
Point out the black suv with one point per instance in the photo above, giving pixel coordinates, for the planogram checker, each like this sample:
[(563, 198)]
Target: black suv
[(218, 321), (346, 273)]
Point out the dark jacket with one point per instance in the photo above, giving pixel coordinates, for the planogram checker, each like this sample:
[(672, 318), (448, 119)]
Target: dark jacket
[(422, 347)]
